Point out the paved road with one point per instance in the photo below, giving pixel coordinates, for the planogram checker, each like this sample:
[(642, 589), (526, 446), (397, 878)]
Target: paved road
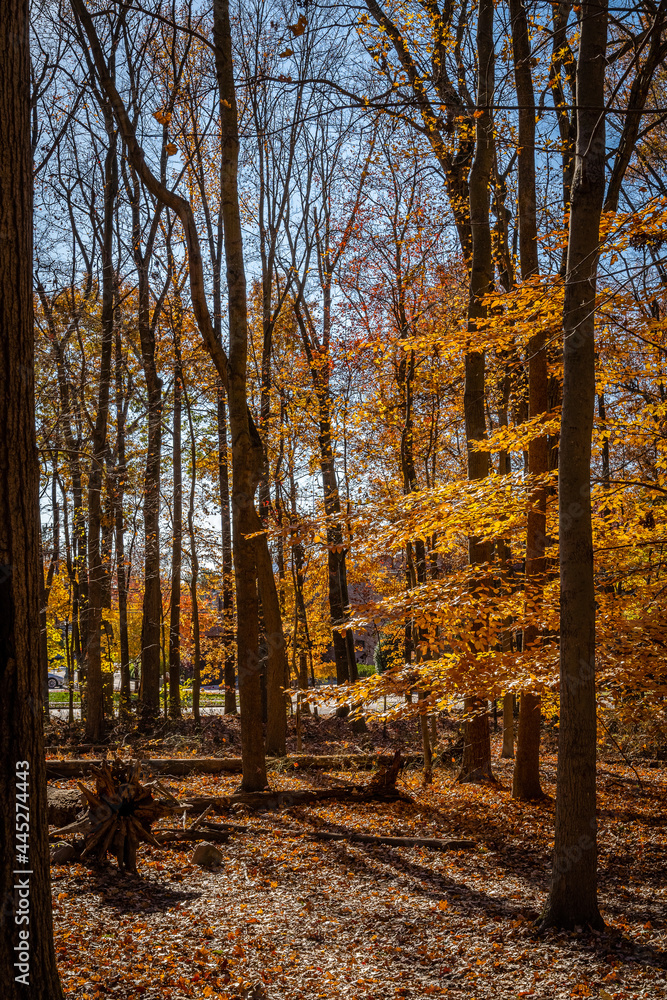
[(325, 710)]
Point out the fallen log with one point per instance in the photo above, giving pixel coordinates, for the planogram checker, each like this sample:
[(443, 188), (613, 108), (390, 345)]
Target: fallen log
[(433, 843), (176, 766), (381, 787), (82, 767)]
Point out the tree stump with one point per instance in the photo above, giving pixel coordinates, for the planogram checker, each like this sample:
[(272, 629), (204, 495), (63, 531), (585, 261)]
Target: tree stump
[(120, 813)]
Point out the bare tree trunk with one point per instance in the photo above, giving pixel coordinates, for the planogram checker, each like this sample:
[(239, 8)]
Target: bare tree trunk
[(426, 744), (343, 640), (573, 896), (96, 569), (508, 726), (526, 780), (27, 937), (477, 740), (246, 445), (119, 492), (176, 552), (227, 568), (194, 569), (276, 727), (152, 603)]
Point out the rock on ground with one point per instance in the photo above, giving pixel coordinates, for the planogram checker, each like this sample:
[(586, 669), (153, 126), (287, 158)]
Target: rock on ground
[(207, 856), (64, 804)]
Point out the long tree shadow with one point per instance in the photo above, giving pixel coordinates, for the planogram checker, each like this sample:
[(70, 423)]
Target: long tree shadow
[(124, 892), (469, 901)]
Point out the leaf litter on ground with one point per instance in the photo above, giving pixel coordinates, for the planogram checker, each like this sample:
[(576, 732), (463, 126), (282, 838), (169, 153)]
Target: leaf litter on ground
[(287, 916)]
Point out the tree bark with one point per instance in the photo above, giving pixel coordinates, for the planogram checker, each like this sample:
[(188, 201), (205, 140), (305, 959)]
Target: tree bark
[(96, 570), (246, 445), (119, 492), (508, 726), (176, 548), (227, 568), (21, 706), (573, 895), (526, 779), (152, 602), (477, 741), (194, 568), (276, 726)]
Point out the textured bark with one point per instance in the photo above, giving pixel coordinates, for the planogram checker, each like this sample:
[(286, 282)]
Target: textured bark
[(526, 779), (476, 763), (119, 491), (152, 602), (508, 726), (573, 895), (96, 569), (176, 552), (563, 62), (194, 569), (227, 568), (21, 704), (276, 722), (246, 445), (477, 744)]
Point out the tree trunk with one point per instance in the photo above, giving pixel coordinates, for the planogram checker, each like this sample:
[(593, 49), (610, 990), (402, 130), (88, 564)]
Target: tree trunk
[(477, 743), (573, 894), (176, 548), (508, 726), (194, 568), (276, 728), (119, 492), (96, 570), (227, 568), (343, 641), (27, 922), (152, 603), (526, 779), (246, 445)]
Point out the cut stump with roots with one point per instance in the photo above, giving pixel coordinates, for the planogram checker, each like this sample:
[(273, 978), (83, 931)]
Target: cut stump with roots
[(120, 813)]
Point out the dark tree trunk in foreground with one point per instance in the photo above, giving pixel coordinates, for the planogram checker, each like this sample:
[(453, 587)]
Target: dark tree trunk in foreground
[(526, 780), (21, 705), (477, 741), (573, 895)]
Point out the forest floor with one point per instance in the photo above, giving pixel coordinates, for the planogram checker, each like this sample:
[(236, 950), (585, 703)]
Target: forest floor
[(287, 917)]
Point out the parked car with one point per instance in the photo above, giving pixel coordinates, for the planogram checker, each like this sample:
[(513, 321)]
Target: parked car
[(55, 681)]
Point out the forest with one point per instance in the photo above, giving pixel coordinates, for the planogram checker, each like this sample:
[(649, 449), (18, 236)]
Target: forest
[(333, 483)]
